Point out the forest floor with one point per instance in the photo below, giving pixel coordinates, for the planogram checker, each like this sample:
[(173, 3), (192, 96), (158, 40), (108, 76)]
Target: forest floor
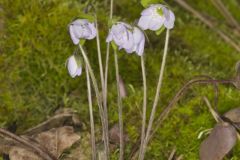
[(34, 82)]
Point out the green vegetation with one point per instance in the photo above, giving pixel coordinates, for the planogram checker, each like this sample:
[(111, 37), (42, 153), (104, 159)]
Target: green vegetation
[(34, 82)]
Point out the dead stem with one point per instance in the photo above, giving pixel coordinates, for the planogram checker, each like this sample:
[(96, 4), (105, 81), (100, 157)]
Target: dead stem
[(39, 151), (169, 107), (224, 36), (225, 12)]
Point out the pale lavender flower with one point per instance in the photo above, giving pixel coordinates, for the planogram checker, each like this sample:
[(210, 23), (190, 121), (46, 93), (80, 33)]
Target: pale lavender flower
[(82, 29), (139, 41), (74, 66), (121, 34), (155, 16), (126, 37)]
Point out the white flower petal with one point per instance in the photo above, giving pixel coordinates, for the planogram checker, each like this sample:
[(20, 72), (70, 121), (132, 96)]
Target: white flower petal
[(109, 37), (144, 21), (73, 36), (77, 30), (170, 19), (156, 23), (81, 28), (137, 35), (129, 44), (140, 48), (79, 71), (80, 22), (93, 31), (72, 66), (148, 11)]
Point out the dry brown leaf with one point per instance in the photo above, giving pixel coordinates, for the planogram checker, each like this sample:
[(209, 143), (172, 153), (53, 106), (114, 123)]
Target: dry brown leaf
[(62, 117), (83, 149), (17, 153), (233, 115), (221, 140), (57, 140)]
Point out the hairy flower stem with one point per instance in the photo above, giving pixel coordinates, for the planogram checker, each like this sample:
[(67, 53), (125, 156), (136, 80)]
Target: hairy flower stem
[(155, 103), (99, 100), (107, 62), (93, 140), (99, 56), (102, 83), (119, 107), (144, 100)]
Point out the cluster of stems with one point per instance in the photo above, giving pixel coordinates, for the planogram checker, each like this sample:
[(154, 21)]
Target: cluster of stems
[(102, 99)]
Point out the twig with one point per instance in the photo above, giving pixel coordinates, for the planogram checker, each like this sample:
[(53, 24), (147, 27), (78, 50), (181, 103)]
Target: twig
[(91, 116), (43, 154), (180, 157), (224, 36), (119, 108), (225, 12), (172, 154), (6, 145), (169, 107), (214, 113), (54, 122)]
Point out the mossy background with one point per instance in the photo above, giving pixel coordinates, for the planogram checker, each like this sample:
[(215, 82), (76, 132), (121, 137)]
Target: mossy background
[(34, 81)]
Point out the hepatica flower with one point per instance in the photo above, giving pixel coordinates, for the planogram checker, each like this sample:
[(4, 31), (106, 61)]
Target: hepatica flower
[(74, 66), (126, 37), (82, 29), (156, 16)]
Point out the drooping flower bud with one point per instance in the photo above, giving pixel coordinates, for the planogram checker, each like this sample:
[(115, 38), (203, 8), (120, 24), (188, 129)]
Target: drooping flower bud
[(126, 37), (156, 16), (82, 29), (74, 65)]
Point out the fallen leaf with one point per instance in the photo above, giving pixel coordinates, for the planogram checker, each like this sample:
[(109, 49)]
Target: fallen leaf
[(82, 151), (18, 153), (62, 117), (220, 141), (57, 140), (233, 115)]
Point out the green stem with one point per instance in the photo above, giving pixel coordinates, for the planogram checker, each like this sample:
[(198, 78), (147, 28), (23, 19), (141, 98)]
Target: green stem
[(91, 116), (102, 83), (107, 62), (99, 56), (156, 99), (99, 101), (106, 77), (144, 100), (119, 108)]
